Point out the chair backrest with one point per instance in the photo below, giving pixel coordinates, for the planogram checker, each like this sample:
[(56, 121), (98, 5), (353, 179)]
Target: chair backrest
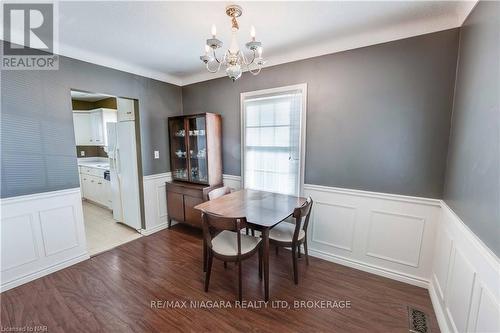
[(302, 214), (213, 224), (219, 192)]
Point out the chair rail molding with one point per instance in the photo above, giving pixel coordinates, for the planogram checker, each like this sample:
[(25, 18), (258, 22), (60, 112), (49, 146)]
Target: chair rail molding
[(41, 233), (155, 202)]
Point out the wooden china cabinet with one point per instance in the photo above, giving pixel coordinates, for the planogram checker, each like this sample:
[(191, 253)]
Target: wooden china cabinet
[(195, 163)]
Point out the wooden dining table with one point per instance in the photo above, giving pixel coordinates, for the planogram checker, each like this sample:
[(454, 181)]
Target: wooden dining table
[(263, 210)]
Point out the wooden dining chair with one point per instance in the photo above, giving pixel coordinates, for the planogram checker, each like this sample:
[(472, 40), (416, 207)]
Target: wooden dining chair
[(292, 232), (219, 192), (224, 241)]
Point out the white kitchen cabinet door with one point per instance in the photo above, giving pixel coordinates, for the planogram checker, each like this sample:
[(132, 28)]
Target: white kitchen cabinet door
[(97, 128), (85, 186), (83, 131)]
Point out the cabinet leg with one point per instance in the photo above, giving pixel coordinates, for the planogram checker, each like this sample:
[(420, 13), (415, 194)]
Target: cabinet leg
[(169, 223)]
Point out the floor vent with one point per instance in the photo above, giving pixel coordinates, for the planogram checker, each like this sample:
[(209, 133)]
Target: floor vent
[(417, 321)]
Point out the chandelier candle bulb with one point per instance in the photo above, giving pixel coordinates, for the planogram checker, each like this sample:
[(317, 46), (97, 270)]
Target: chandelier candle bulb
[(252, 33), (214, 30)]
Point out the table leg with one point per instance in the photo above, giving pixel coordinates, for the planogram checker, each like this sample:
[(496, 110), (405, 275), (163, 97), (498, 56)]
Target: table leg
[(265, 239)]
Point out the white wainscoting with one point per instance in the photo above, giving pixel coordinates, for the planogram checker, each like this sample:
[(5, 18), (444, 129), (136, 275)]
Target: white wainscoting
[(41, 233), (385, 234), (465, 280), (155, 202)]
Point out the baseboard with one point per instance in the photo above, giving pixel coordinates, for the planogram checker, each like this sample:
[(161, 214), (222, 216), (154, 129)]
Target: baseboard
[(413, 280), (147, 232), (46, 271)]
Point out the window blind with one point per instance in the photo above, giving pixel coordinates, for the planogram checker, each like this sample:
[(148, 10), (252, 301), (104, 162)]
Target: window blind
[(272, 142)]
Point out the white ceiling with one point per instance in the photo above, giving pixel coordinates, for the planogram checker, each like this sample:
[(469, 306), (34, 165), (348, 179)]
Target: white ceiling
[(163, 40)]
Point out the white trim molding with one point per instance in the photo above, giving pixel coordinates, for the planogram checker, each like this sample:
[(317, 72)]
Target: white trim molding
[(384, 234), (465, 280), (41, 233), (155, 202)]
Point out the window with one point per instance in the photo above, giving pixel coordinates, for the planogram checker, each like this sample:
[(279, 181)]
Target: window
[(273, 135)]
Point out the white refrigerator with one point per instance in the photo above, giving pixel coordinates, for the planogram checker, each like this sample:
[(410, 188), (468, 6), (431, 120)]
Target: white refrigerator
[(123, 169)]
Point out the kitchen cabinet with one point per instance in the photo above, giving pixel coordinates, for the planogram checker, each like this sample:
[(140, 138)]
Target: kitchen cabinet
[(94, 187), (91, 126)]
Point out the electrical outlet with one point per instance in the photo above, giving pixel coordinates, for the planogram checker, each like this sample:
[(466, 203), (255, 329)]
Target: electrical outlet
[(157, 154), (82, 153)]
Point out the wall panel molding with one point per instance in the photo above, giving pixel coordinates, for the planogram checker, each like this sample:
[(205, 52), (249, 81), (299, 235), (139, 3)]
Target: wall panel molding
[(155, 202), (392, 235), (465, 283), (41, 233)]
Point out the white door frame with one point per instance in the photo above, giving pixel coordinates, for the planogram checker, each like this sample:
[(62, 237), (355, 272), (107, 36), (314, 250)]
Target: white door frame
[(302, 148)]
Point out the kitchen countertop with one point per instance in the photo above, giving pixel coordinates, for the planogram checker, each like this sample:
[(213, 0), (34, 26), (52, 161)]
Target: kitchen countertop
[(95, 164)]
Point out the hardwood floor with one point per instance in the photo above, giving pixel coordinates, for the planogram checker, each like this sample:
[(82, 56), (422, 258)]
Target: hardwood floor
[(113, 291)]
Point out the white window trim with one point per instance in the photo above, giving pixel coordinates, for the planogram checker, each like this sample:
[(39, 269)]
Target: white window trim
[(302, 148)]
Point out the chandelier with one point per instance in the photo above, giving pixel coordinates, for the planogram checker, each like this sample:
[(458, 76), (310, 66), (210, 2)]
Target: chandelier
[(234, 59)]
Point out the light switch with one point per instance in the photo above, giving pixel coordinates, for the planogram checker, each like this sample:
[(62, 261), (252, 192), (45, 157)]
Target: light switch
[(82, 153), (157, 154)]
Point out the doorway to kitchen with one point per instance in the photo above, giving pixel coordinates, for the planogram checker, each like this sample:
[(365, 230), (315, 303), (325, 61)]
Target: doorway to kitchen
[(108, 166)]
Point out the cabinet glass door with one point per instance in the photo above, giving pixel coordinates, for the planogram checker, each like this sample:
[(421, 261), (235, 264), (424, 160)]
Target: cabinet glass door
[(178, 151), (197, 138)]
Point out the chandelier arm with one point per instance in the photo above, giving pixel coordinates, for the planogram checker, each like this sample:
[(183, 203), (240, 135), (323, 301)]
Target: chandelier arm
[(215, 56), (255, 72), (215, 70), (244, 59)]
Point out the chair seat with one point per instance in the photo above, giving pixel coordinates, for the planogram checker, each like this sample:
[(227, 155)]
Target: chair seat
[(226, 243), (283, 232)]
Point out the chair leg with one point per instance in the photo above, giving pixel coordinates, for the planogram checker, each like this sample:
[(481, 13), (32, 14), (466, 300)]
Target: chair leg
[(225, 264), (300, 256), (205, 257), (209, 270), (306, 253), (253, 232), (246, 230), (239, 282), (277, 250), (295, 272), (260, 263)]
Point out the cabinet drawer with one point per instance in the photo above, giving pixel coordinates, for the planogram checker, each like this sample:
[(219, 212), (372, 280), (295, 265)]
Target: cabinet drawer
[(92, 171), (193, 192)]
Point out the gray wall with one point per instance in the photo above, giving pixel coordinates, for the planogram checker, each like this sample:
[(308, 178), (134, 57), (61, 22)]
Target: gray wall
[(473, 174), (38, 146), (378, 117)]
